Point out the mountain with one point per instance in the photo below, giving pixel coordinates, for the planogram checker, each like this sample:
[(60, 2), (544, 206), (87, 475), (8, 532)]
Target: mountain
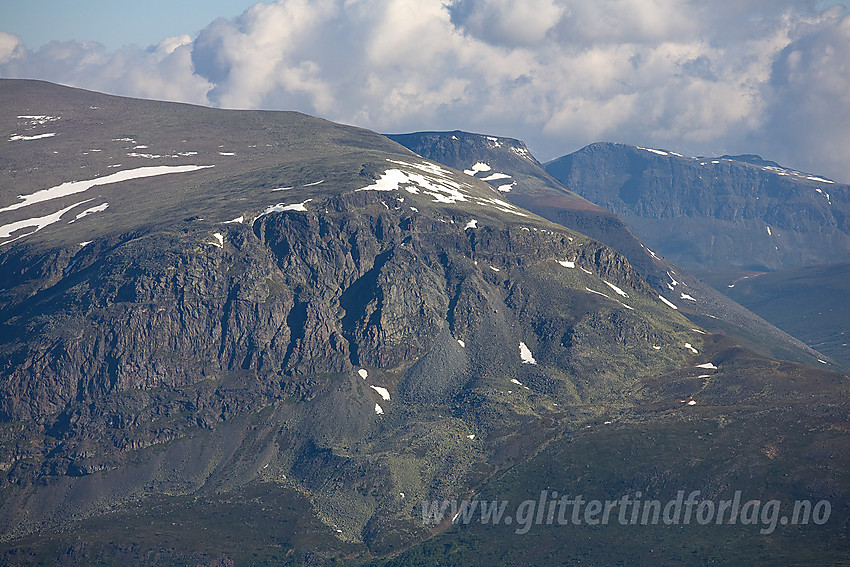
[(508, 166), (233, 338), (810, 302), (282, 298), (731, 212)]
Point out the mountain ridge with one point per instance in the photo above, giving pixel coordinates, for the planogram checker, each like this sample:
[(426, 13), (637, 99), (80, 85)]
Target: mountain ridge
[(715, 213)]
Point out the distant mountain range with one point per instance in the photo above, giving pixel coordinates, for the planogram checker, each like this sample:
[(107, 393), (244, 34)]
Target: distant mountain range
[(232, 337), (731, 212)]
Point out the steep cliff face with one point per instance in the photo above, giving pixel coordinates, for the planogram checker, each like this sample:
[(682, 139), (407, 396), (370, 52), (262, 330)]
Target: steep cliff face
[(507, 165), (330, 314), (727, 212)]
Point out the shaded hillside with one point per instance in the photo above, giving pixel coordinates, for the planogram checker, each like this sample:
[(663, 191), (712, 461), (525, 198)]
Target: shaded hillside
[(812, 303)]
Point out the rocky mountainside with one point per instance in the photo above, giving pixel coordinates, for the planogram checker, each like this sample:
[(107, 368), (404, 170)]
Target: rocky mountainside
[(236, 337), (731, 212), (508, 166), (196, 299)]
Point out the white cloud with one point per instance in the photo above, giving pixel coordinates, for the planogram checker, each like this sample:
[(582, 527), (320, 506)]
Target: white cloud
[(698, 78), (507, 21), (10, 47), (163, 71), (808, 98)]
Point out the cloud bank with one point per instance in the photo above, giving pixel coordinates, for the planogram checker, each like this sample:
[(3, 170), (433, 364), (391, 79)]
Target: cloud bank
[(751, 76)]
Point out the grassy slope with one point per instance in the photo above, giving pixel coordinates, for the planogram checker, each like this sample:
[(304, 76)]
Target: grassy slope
[(749, 432)]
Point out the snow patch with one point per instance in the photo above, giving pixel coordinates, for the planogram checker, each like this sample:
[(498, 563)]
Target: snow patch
[(379, 410), (525, 354), (659, 152), (768, 231), (461, 343), (691, 348), (707, 366), (502, 206), (363, 373), (666, 302), (383, 392), (616, 289), (219, 240), (688, 297), (480, 166), (444, 191), (237, 220), (821, 179), (496, 176), (38, 119), (471, 224), (73, 187), (280, 208), (506, 188), (37, 222), (568, 263), (145, 156), (92, 210), (16, 137), (597, 292), (520, 151)]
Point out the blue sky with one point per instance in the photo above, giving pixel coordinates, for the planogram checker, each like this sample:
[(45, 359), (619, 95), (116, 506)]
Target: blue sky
[(700, 78), (113, 23)]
